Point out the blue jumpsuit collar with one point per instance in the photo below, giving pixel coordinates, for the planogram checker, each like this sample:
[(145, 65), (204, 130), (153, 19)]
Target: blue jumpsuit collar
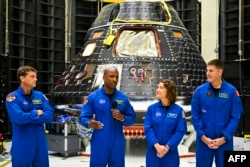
[(222, 84), (20, 89), (104, 92), (160, 104)]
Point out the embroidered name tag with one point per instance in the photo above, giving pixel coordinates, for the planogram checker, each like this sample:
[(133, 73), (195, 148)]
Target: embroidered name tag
[(223, 95), (38, 101), (119, 102), (171, 115)]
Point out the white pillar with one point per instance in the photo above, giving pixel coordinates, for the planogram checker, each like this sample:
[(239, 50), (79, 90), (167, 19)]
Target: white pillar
[(209, 29)]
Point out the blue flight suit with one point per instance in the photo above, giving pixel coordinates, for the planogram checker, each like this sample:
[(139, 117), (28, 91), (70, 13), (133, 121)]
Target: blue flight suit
[(215, 115), (164, 125), (29, 144), (108, 143)]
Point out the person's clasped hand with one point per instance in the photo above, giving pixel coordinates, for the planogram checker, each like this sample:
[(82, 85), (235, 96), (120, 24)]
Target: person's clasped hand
[(161, 150), (213, 144), (219, 141)]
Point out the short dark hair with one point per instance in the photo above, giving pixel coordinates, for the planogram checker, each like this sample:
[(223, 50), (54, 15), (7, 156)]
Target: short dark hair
[(23, 70), (217, 63), (171, 89)]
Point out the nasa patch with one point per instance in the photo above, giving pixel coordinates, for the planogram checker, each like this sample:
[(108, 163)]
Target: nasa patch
[(158, 114), (102, 101), (10, 97)]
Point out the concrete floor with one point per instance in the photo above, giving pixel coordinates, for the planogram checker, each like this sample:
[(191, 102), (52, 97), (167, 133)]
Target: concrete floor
[(135, 156)]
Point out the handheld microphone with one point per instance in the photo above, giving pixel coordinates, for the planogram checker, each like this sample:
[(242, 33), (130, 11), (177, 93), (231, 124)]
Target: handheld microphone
[(114, 104)]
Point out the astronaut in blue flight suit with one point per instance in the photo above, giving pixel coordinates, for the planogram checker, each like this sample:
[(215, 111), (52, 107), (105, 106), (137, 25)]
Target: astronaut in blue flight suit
[(28, 110), (111, 110), (164, 125), (216, 109)]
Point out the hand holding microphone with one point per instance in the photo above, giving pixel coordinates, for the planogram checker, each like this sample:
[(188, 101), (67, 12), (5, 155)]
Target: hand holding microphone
[(115, 112)]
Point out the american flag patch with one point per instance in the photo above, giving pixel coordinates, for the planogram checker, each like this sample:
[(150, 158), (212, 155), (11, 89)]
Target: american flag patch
[(183, 114), (10, 98), (237, 93)]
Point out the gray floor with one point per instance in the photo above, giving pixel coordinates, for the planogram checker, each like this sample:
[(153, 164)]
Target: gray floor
[(135, 156)]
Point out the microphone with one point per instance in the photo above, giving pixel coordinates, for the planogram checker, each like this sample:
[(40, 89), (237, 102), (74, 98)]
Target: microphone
[(114, 104)]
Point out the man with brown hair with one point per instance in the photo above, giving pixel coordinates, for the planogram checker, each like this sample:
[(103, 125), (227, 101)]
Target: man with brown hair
[(216, 110), (28, 110)]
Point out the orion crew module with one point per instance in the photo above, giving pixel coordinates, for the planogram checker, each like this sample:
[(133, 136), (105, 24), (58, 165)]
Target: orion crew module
[(146, 41)]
